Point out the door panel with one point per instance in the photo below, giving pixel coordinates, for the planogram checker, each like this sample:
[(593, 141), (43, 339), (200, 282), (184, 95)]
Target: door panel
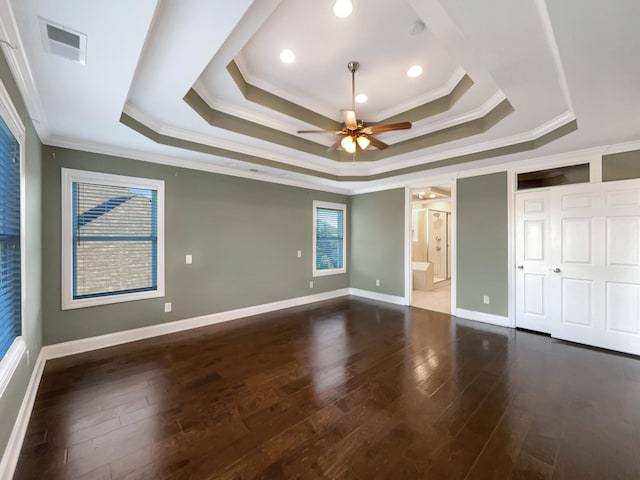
[(534, 294), (623, 308), (623, 245), (576, 240), (532, 257), (534, 240), (576, 300), (595, 280)]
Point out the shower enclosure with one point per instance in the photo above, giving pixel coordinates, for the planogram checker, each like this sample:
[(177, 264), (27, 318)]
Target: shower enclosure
[(438, 233), (431, 231)]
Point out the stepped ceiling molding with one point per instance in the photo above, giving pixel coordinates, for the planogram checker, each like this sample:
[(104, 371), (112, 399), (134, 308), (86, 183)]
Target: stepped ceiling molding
[(200, 84)]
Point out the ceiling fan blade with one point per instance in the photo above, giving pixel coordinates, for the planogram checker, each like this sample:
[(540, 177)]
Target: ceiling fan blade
[(349, 119), (335, 146), (389, 127), (335, 132), (377, 143)]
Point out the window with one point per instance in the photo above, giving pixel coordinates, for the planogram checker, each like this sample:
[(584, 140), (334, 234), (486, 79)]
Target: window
[(329, 255), (12, 291), (112, 240), (10, 235), (554, 176)]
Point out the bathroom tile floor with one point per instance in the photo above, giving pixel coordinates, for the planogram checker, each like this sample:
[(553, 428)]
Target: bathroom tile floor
[(437, 300)]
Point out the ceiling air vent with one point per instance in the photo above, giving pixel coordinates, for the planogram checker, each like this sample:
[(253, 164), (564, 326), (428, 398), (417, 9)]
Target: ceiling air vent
[(63, 41)]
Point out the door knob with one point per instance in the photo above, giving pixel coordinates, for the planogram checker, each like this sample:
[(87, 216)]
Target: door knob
[(556, 270), (520, 267)]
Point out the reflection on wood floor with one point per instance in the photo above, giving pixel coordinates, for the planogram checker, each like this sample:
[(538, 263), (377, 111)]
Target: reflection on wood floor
[(347, 388), (437, 299)]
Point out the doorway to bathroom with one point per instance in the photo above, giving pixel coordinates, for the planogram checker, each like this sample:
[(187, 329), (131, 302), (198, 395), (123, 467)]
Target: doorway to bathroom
[(431, 248)]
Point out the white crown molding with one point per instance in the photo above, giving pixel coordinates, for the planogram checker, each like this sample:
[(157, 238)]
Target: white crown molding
[(374, 168), (483, 317), (348, 188), (428, 97), (622, 147), (547, 28), (14, 444), (425, 126), (202, 165), (312, 163), (531, 135), (265, 117), (17, 60)]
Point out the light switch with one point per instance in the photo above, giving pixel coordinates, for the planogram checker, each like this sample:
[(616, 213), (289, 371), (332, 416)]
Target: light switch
[(167, 307), (299, 253), (189, 259)]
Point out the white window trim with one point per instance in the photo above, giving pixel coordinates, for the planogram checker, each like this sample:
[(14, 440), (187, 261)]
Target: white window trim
[(70, 176), (334, 206), (9, 363)]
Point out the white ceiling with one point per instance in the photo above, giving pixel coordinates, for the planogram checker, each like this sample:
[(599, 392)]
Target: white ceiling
[(554, 63)]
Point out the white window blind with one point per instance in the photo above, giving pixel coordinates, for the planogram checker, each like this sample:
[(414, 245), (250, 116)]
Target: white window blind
[(10, 267), (114, 240), (329, 238)]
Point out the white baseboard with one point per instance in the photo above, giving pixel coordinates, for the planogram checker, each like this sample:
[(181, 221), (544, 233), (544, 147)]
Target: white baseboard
[(93, 343), (14, 445), (483, 317), (383, 297)]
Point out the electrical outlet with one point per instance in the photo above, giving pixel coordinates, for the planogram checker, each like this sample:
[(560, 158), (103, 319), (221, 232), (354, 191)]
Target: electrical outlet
[(299, 253), (28, 358), (377, 283), (167, 307), (486, 300), (310, 283), (188, 259)]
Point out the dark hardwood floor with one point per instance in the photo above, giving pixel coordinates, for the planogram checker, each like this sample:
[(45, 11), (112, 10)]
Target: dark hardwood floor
[(349, 389)]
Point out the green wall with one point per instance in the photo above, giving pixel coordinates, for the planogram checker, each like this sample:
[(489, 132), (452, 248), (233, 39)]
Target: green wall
[(621, 166), (377, 239), (12, 398), (482, 243), (243, 235)]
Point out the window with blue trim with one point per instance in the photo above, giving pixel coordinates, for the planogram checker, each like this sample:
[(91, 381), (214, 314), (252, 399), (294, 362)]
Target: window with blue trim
[(10, 266), (329, 249), (114, 238)]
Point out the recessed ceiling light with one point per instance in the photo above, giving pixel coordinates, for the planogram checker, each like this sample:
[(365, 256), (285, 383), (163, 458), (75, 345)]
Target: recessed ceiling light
[(342, 8), (414, 71), (287, 56), (421, 193), (361, 98), (432, 195)]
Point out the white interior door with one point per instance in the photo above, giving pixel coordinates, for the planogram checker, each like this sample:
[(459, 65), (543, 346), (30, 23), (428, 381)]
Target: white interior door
[(595, 286), (533, 260)]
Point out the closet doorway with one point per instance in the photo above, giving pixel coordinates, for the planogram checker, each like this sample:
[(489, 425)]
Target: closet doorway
[(431, 248)]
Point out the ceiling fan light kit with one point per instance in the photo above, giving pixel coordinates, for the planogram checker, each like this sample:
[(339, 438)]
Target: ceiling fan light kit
[(355, 134)]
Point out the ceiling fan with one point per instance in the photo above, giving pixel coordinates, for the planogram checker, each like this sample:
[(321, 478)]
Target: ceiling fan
[(355, 135)]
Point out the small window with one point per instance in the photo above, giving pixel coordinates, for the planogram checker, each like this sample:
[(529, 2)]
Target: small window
[(554, 176), (329, 254), (113, 238)]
